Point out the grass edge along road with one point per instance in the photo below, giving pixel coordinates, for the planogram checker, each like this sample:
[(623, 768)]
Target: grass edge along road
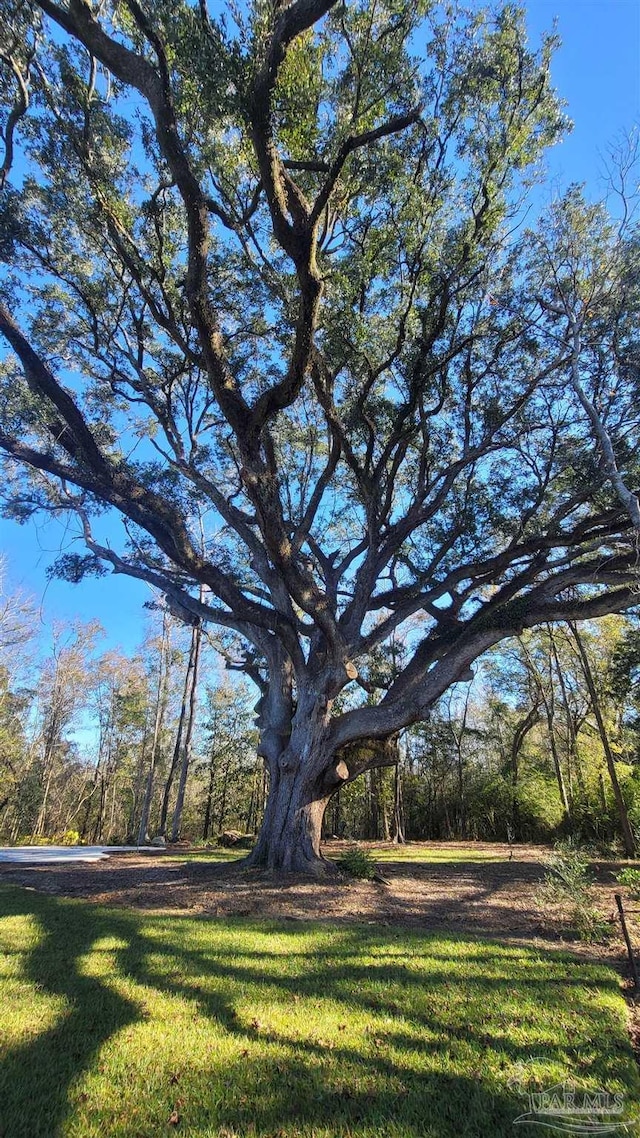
[(134, 1025)]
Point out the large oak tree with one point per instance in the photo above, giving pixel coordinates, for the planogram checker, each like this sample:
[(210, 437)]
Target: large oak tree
[(269, 296)]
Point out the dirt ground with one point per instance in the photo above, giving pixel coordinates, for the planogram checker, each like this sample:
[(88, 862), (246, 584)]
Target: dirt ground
[(481, 897)]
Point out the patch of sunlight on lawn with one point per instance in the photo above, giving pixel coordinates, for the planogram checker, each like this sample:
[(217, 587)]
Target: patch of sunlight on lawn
[(420, 852), (215, 855), (256, 1029), (19, 937)]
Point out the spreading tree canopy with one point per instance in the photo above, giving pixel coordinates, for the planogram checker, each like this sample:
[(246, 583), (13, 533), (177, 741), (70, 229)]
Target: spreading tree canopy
[(278, 292)]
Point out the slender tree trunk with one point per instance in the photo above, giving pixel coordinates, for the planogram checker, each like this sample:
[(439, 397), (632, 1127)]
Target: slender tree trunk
[(398, 807), (548, 704), (112, 814), (371, 821), (185, 721), (143, 828), (606, 827), (40, 825), (194, 660), (256, 803), (335, 821), (458, 739), (573, 758), (175, 759), (383, 826), (520, 734), (448, 828), (51, 741), (623, 817), (84, 828), (143, 835), (209, 804), (557, 766), (462, 806), (223, 794), (101, 807)]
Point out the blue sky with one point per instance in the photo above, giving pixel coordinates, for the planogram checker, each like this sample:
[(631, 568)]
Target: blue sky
[(597, 70)]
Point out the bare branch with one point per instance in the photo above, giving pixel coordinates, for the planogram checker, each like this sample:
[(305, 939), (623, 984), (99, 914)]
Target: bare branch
[(628, 499)]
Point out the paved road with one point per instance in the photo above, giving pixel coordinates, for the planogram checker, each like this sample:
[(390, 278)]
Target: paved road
[(43, 855)]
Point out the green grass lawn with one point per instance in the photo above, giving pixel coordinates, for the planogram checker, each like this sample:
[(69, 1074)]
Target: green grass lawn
[(421, 852), (417, 852), (218, 853), (115, 1022)]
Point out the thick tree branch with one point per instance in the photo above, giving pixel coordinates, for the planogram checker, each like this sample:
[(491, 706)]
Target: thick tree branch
[(420, 688), (69, 428), (116, 485), (354, 142), (154, 86), (18, 110)]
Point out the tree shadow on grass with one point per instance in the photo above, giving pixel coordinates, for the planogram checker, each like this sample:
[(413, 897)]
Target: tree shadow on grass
[(274, 1079), (363, 1088), (35, 1076)]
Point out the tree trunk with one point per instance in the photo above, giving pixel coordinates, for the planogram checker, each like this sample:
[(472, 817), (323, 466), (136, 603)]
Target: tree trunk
[(548, 703), (398, 807), (383, 805), (625, 825), (557, 766), (143, 828), (370, 822), (175, 759), (112, 815), (549, 714), (306, 768), (303, 775), (101, 808), (256, 802), (289, 838), (84, 828), (336, 822), (521, 732), (573, 758), (223, 792), (136, 789), (206, 826), (462, 806), (40, 825), (187, 708), (194, 660)]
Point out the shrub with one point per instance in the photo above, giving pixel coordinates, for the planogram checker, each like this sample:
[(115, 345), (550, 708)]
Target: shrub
[(631, 878), (567, 884), (358, 863), (70, 838)]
